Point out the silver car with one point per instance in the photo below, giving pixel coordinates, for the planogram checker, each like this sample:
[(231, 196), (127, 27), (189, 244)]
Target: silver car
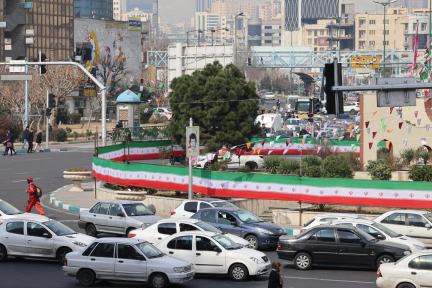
[(116, 217)]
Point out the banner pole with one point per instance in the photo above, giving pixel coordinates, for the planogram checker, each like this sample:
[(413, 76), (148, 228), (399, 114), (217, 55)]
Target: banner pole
[(190, 168)]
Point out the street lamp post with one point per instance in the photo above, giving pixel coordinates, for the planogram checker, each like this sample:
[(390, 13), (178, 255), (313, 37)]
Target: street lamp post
[(187, 35), (339, 19), (214, 30), (235, 36), (291, 76), (384, 4)]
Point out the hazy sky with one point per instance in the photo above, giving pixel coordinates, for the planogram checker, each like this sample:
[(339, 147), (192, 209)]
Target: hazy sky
[(174, 11)]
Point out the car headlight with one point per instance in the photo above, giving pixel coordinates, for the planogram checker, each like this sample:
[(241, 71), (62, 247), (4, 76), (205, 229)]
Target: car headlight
[(256, 260), (265, 231), (78, 243), (418, 247), (179, 270), (145, 225), (406, 253)]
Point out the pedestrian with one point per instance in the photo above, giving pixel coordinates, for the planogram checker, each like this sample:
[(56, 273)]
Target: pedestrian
[(263, 131), (9, 143), (33, 199), (275, 279), (38, 146), (6, 146), (30, 139), (278, 104), (25, 136), (119, 125)]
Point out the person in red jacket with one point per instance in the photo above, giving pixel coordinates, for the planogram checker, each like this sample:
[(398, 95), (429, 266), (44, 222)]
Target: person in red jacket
[(33, 200)]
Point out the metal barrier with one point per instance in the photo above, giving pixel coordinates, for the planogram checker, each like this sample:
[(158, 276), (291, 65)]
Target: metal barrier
[(140, 133)]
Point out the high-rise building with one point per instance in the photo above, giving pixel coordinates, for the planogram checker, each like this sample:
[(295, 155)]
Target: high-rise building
[(96, 9), (230, 8), (410, 27), (119, 7), (206, 21), (45, 25), (410, 4), (270, 10), (203, 5)]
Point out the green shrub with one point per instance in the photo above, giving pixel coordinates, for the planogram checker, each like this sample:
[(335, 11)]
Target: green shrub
[(244, 169), (408, 156), (59, 135), (75, 135), (68, 130), (379, 169), (288, 167), (218, 166), (75, 118), (88, 134), (417, 173), (336, 167), (271, 164), (424, 156), (427, 173), (312, 171), (383, 153), (77, 169), (353, 160), (145, 116), (311, 160), (252, 165)]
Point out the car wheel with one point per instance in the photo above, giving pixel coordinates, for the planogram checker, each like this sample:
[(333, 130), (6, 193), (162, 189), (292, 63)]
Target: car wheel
[(207, 166), (384, 259), (303, 261), (3, 253), (238, 272), (253, 241), (172, 161), (405, 285), (158, 280), (353, 112), (86, 277), (91, 230), (61, 254)]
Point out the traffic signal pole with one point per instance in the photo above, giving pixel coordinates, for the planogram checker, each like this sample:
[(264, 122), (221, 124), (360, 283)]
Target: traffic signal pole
[(47, 125)]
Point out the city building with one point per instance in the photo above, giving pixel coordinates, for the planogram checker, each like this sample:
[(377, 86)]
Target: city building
[(369, 30), (96, 9), (270, 10), (271, 33), (410, 4), (316, 35), (230, 9), (206, 21), (119, 7), (203, 5), (343, 30), (30, 27), (137, 13), (418, 18)]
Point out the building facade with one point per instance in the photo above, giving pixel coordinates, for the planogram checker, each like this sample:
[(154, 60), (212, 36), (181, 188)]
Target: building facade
[(410, 27), (203, 5), (119, 7), (271, 33), (410, 4), (96, 9), (137, 13), (230, 9), (206, 21), (316, 35)]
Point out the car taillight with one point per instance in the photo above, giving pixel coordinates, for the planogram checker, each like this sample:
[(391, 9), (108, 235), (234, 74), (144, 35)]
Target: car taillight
[(172, 213), (131, 235), (65, 262), (357, 106), (379, 275), (169, 113), (79, 216), (279, 246), (303, 230)]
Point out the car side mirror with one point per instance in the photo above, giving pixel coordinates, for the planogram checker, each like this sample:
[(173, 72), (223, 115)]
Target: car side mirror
[(381, 237), (47, 235), (120, 215), (233, 223), (428, 226), (217, 249), (140, 257)]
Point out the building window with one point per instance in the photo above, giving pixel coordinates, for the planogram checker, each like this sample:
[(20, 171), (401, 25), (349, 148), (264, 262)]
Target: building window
[(268, 41), (268, 34), (362, 22), (372, 43), (371, 32), (371, 22), (387, 42), (387, 32), (321, 32), (310, 41), (309, 33), (423, 26), (267, 27), (362, 44), (414, 26), (386, 21)]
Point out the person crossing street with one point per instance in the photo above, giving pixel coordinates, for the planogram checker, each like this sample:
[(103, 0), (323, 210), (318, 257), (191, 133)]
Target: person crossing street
[(33, 198), (38, 146), (30, 141)]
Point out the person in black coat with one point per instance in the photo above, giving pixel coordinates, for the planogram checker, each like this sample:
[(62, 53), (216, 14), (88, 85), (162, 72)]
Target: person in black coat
[(275, 279), (38, 146), (30, 141), (25, 136), (9, 144)]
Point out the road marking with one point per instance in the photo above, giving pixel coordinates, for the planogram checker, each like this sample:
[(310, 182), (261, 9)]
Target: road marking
[(34, 159), (331, 280), (6, 169), (25, 180), (23, 173)]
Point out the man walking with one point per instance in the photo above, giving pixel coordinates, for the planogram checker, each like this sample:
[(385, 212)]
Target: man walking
[(30, 139), (38, 146), (25, 136), (33, 199)]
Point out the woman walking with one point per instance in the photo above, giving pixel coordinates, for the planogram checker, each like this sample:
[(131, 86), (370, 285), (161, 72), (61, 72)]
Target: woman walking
[(38, 146), (9, 144), (275, 279)]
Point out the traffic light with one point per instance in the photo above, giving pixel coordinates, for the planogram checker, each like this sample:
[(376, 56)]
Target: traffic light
[(328, 75), (43, 67), (249, 62), (314, 105), (51, 101), (50, 129), (48, 112)]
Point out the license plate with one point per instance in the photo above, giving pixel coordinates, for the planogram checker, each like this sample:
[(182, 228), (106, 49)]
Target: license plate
[(189, 274)]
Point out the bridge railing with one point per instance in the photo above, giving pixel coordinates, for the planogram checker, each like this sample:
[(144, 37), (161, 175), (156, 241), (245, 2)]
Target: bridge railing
[(145, 133)]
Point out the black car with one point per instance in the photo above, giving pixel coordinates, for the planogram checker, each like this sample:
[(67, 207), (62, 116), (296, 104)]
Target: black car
[(341, 245)]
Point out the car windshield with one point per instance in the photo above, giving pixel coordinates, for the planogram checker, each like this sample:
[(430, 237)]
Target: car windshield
[(386, 230), (292, 122), (58, 228), (365, 235), (207, 227), (137, 209), (428, 216), (8, 209), (226, 204), (247, 217), (149, 250), (226, 242)]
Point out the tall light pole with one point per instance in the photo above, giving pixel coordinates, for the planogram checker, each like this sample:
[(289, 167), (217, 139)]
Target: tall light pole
[(187, 35), (291, 76), (384, 4), (235, 36), (214, 30), (339, 19)]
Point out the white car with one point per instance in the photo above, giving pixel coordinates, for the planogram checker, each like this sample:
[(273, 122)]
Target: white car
[(167, 227), (351, 108), (7, 211), (413, 223), (412, 271), (26, 237), (189, 207), (213, 253), (120, 259), (382, 233), (326, 219), (165, 111), (269, 96)]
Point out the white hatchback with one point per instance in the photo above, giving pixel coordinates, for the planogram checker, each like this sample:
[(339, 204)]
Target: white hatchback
[(213, 253), (412, 271), (27, 237), (189, 207), (167, 227), (326, 219), (119, 259), (269, 96), (382, 233), (7, 211)]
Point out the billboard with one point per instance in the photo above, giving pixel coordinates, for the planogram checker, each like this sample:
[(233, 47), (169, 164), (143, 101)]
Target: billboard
[(192, 144), (134, 24)]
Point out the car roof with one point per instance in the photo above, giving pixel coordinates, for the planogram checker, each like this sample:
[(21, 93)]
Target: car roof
[(222, 208), (336, 215), (120, 201), (353, 220), (407, 211), (333, 227), (198, 232), (36, 218), (187, 220), (118, 240)]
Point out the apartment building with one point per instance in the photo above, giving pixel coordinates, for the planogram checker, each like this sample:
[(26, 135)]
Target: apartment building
[(96, 9), (316, 35), (119, 7), (137, 13), (206, 21), (230, 9), (420, 18), (270, 10)]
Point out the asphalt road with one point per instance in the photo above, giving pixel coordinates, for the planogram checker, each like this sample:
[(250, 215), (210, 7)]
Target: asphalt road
[(47, 169)]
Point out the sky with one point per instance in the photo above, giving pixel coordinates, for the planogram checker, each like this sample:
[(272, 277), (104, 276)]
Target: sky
[(174, 11)]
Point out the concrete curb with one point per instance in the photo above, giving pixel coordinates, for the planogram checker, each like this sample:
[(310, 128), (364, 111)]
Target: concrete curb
[(63, 205)]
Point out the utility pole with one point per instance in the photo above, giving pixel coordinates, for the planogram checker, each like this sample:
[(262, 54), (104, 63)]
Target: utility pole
[(430, 30), (47, 124), (190, 188), (291, 76)]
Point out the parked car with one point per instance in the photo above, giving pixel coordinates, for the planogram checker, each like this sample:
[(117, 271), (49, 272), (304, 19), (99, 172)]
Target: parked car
[(116, 217), (338, 245), (382, 233), (259, 233), (262, 93), (352, 108), (269, 96), (413, 223), (189, 207), (413, 271), (325, 219), (7, 211), (119, 259), (214, 253), (164, 228), (23, 237), (165, 112), (284, 133)]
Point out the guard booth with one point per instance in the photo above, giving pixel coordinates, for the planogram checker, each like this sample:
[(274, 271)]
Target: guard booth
[(128, 110)]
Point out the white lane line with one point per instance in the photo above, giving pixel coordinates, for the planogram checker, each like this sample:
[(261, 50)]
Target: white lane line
[(23, 173), (33, 159), (331, 280), (67, 221), (25, 180)]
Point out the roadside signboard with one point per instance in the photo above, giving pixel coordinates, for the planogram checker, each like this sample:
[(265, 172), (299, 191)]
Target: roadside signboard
[(374, 60), (192, 141), (356, 62)]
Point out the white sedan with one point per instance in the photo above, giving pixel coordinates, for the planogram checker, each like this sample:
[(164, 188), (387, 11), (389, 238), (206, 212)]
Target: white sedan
[(7, 211), (167, 227), (213, 253), (269, 96), (27, 237), (412, 271)]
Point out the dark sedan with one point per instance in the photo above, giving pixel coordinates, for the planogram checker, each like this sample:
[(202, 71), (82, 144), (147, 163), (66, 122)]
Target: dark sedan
[(338, 245)]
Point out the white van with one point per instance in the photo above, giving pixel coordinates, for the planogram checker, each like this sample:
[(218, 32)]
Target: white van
[(272, 122)]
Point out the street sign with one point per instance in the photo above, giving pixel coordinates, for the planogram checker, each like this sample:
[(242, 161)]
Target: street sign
[(16, 77), (376, 76), (374, 60), (349, 70), (192, 144), (89, 92), (17, 69), (355, 62)]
